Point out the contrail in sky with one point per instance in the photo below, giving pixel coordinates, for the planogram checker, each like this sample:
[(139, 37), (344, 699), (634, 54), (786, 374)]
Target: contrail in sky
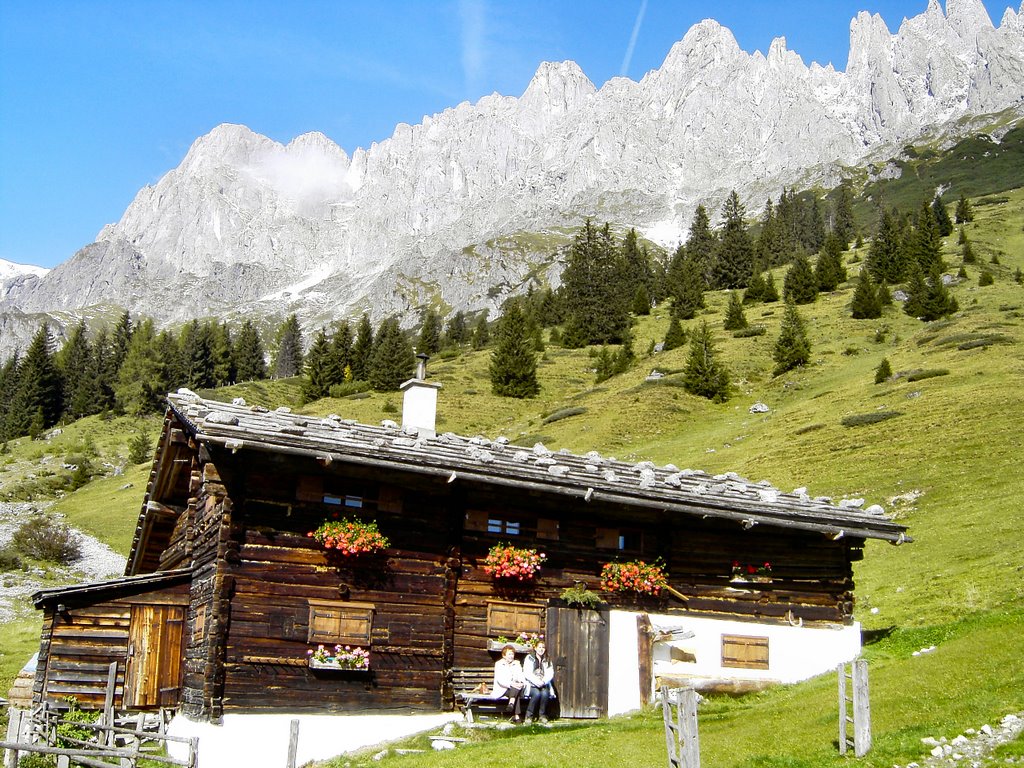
[(632, 39)]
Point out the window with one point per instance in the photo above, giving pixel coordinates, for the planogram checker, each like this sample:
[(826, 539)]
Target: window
[(344, 623), (509, 619), (744, 652), (501, 526), (500, 523), (621, 539)]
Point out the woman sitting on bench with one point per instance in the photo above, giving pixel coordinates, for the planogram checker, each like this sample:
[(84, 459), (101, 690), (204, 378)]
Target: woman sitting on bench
[(509, 681)]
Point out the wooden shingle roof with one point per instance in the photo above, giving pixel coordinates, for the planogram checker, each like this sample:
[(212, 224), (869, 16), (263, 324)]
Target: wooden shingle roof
[(237, 426)]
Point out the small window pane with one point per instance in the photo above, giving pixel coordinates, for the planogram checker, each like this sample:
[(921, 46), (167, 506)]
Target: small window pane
[(495, 526)]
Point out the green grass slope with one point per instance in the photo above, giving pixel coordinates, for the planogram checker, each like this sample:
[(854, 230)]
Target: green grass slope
[(947, 465)]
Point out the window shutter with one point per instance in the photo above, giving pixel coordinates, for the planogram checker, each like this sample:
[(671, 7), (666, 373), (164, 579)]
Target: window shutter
[(389, 499), (310, 488), (547, 529), (476, 520), (744, 652), (342, 623), (607, 538), (510, 619)]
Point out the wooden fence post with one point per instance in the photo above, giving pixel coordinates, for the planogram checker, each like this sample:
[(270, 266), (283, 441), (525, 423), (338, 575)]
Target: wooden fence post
[(860, 717), (13, 736), (293, 743), (681, 735)]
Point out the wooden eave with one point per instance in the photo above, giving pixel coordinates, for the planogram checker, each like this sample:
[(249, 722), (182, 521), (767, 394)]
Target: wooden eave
[(123, 585), (588, 478)]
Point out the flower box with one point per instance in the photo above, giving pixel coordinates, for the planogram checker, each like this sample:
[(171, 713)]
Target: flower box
[(635, 576), (507, 563), (497, 645), (350, 537), (345, 659), (332, 667)]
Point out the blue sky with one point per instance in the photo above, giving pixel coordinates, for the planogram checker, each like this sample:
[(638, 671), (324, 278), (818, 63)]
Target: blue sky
[(100, 98)]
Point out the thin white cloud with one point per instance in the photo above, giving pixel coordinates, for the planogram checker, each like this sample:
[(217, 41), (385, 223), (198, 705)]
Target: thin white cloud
[(628, 58), (471, 15)]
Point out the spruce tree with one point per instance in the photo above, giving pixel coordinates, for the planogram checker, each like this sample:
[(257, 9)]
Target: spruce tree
[(481, 332), (513, 366), (701, 244), (40, 390), (456, 331), (10, 381), (942, 221), (916, 290), (430, 333), (843, 223), (120, 339), (635, 267), (793, 348), (250, 359), (800, 286), (924, 242), (886, 258), (339, 360), (288, 359), (315, 383), (938, 301), (865, 304), (771, 292), (967, 253), (734, 318), (362, 349), (78, 372), (597, 311), (392, 361), (705, 375), (688, 289), (829, 269), (734, 257), (675, 336), (141, 382), (964, 213), (755, 289), (222, 351), (197, 355), (641, 301), (168, 352), (106, 372)]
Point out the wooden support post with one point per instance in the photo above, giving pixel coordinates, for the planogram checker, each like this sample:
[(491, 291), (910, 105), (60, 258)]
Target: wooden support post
[(861, 709), (645, 653), (108, 704), (671, 735), (13, 736), (681, 736), (293, 743), (193, 752), (843, 711)]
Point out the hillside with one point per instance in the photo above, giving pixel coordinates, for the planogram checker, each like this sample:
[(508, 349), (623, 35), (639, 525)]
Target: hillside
[(947, 466)]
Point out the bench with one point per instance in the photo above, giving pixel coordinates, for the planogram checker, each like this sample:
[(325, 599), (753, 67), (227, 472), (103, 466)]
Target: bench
[(466, 682)]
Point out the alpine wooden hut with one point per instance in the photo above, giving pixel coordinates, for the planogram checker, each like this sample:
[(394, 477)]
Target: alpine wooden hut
[(226, 595)]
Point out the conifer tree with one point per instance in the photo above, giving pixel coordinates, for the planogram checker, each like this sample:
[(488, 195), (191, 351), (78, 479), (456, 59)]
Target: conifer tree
[(362, 349), (596, 309), (250, 359), (886, 258), (917, 292), (800, 286), (793, 348), (641, 301), (222, 353), (78, 372), (967, 252), (938, 301), (635, 265), (172, 367), (120, 339), (755, 289), (829, 269), (705, 375), (701, 244), (734, 317), (866, 304), (339, 359), (392, 361), (288, 360), (106, 372), (884, 295), (197, 355), (430, 332), (924, 242), (675, 336), (315, 384), (964, 213), (513, 367), (770, 248), (883, 372), (10, 381), (456, 332), (687, 288), (843, 223), (943, 223), (734, 257), (481, 332), (771, 292), (141, 383), (40, 389)]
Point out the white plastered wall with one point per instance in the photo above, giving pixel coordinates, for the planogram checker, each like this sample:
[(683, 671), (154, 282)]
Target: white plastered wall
[(794, 653)]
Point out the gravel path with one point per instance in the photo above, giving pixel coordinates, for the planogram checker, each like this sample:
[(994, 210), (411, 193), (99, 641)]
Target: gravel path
[(96, 562)]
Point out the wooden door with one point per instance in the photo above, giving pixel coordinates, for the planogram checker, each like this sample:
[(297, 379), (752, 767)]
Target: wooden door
[(578, 642), (155, 648)]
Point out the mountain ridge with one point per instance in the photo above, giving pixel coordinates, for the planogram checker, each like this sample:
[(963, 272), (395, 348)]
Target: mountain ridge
[(248, 225)]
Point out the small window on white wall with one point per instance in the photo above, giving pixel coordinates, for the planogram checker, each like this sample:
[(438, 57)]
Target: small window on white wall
[(744, 652)]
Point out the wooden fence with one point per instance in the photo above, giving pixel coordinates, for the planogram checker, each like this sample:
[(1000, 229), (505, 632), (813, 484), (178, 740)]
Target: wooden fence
[(858, 701), (679, 707)]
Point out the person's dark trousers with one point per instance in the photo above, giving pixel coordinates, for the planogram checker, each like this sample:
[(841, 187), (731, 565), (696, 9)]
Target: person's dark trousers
[(538, 702)]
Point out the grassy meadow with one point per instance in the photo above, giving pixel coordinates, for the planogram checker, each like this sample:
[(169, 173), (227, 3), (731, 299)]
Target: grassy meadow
[(947, 464)]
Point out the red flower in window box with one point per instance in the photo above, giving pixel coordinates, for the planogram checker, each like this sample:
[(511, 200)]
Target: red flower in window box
[(350, 537), (634, 576), (504, 561)]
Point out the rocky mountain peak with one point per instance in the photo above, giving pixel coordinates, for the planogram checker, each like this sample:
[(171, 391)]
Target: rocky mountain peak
[(557, 87)]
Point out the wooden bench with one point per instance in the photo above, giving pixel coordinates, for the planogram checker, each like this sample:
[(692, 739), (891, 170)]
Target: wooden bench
[(466, 681)]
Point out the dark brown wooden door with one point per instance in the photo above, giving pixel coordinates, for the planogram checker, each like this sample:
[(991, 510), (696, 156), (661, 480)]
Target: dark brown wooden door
[(153, 671), (578, 640)]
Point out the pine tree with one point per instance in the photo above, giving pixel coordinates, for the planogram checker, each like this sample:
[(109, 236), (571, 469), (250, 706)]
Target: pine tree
[(734, 258), (770, 248), (884, 295), (755, 289), (687, 289), (456, 332), (704, 375), (222, 353), (800, 285), (843, 224), (964, 213), (288, 360), (120, 339), (106, 372), (513, 367), (596, 309), (339, 359), (793, 348), (635, 266), (10, 381), (886, 258), (701, 244), (734, 317), (865, 304), (430, 333), (641, 301), (883, 372), (392, 361), (362, 349), (917, 292), (78, 372), (316, 384), (197, 355), (250, 359), (771, 292), (481, 332), (168, 352), (675, 336), (943, 223), (938, 301), (924, 242), (967, 253), (40, 388), (829, 270)]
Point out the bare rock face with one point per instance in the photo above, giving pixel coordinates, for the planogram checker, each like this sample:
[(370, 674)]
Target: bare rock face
[(246, 224)]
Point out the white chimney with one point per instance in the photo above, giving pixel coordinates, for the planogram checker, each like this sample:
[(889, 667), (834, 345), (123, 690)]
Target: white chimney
[(419, 406)]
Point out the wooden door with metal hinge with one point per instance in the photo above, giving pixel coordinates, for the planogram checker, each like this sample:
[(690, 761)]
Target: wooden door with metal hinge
[(155, 648)]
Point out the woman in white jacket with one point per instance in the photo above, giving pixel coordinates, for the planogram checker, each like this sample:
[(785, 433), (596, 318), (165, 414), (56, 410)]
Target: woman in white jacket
[(540, 675), (509, 681)]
